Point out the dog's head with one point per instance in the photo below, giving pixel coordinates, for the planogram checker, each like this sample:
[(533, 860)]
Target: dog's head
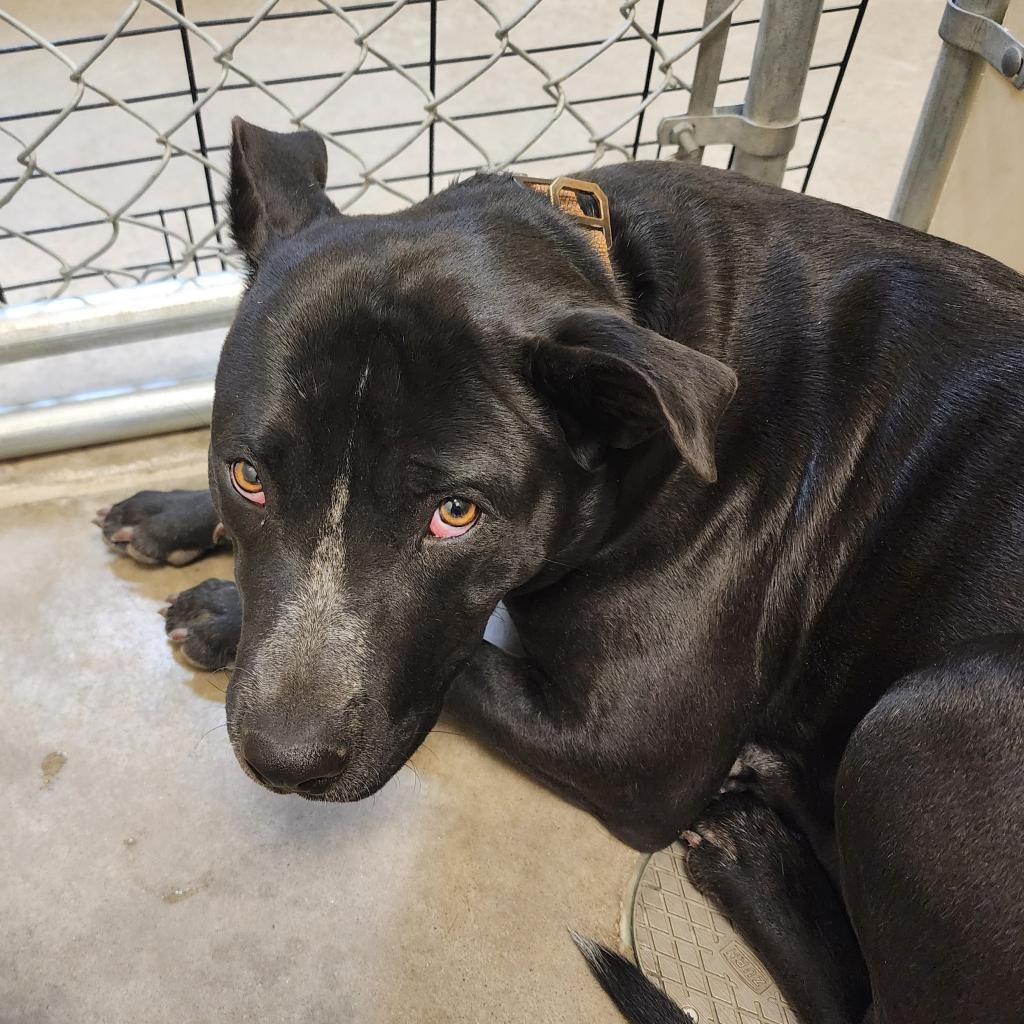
[(415, 415)]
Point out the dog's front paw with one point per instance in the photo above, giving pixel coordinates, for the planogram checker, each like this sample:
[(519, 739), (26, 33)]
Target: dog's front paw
[(206, 621), (161, 527)]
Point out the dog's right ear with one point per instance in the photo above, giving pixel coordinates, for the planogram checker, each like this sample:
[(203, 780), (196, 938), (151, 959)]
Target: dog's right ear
[(277, 185)]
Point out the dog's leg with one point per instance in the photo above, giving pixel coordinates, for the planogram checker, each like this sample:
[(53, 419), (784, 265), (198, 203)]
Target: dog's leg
[(498, 699), (162, 527), (505, 702), (766, 878), (786, 786), (930, 823), (206, 620)]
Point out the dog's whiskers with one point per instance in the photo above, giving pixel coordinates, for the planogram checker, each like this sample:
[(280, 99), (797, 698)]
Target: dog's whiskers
[(416, 775), (425, 747), (447, 732), (219, 725)]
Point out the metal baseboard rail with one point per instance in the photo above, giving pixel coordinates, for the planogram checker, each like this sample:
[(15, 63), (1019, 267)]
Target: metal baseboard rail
[(139, 313), (122, 316), (77, 423)]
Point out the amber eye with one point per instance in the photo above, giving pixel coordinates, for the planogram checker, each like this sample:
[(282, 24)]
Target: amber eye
[(454, 517), (458, 512), (246, 479)]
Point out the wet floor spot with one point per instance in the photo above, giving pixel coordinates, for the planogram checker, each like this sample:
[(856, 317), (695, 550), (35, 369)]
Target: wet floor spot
[(52, 765), (181, 893), (211, 686)]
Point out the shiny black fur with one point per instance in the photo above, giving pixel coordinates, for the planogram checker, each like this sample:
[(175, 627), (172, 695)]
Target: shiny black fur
[(815, 587)]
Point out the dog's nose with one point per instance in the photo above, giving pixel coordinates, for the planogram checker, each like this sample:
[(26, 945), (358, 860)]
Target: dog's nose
[(302, 769)]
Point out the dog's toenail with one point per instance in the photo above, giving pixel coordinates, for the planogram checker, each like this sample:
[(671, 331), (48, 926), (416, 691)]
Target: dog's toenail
[(163, 611), (692, 839), (123, 535), (178, 635), (219, 533), (171, 598)]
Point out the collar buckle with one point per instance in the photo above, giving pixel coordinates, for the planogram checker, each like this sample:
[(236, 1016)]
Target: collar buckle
[(562, 192)]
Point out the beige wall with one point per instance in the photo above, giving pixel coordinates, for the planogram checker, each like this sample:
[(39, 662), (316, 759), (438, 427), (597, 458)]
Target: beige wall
[(982, 203)]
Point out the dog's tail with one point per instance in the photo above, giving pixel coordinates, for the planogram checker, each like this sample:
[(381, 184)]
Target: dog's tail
[(639, 1001)]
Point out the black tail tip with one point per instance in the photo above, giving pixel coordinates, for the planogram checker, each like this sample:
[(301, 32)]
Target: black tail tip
[(638, 1000)]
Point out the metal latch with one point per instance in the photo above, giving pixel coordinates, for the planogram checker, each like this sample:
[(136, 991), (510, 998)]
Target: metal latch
[(975, 33), (728, 126)]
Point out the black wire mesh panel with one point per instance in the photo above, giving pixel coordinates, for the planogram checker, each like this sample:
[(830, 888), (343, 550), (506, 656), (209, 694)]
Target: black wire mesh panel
[(114, 118)]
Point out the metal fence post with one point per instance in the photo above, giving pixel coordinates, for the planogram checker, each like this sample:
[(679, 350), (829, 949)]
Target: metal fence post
[(954, 81), (778, 73), (708, 69)]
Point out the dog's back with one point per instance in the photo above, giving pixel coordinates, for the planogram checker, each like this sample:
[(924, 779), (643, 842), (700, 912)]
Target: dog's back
[(881, 374)]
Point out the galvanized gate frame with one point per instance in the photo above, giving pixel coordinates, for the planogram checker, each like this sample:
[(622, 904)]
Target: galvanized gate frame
[(972, 35), (762, 131)]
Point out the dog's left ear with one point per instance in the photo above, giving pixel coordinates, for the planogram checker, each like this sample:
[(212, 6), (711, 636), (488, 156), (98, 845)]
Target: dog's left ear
[(621, 383), (277, 185)]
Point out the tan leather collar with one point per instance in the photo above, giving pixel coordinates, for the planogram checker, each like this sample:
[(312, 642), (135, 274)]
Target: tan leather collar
[(564, 195)]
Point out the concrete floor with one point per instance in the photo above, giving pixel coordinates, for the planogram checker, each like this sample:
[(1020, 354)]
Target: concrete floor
[(146, 879)]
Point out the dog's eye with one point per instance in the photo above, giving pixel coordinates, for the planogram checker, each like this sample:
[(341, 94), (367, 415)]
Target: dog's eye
[(454, 517), (246, 480)]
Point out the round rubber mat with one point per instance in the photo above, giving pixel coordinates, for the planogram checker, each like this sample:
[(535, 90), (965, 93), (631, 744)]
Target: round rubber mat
[(690, 951)]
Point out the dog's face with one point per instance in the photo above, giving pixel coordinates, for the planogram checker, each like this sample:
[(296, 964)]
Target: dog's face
[(386, 482), (405, 430)]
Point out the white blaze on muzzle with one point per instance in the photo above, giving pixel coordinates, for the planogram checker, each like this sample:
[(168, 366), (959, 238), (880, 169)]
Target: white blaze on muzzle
[(316, 632)]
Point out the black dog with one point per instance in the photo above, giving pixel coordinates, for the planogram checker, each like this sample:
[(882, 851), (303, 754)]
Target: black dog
[(807, 591)]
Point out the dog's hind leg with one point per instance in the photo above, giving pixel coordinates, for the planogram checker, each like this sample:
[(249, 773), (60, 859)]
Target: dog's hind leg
[(767, 879), (930, 824), (162, 527)]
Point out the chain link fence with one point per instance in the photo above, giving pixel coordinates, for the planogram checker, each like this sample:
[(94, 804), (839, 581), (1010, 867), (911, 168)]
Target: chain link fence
[(114, 119), (115, 261)]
